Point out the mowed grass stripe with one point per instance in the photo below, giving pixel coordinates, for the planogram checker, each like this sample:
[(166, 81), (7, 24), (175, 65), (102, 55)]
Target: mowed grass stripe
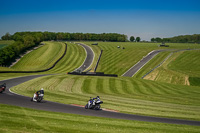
[(178, 68), (187, 62), (76, 88), (65, 62), (112, 86), (115, 94), (136, 87), (99, 85), (41, 58), (157, 89), (13, 121), (86, 86), (73, 59)]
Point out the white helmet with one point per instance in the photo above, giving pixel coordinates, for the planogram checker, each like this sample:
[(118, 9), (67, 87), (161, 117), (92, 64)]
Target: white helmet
[(42, 89)]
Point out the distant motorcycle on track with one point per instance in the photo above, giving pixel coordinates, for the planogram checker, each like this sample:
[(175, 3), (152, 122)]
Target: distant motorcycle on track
[(38, 96), (2, 88), (94, 103)]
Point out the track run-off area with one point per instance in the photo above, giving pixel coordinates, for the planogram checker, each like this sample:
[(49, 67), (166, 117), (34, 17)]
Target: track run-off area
[(14, 99)]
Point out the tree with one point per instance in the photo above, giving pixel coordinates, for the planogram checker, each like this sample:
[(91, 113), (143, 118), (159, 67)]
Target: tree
[(152, 39), (121, 39), (158, 39), (137, 39), (132, 38), (7, 36)]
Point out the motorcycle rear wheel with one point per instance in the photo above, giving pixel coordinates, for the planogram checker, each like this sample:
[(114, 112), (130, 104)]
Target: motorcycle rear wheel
[(97, 107), (86, 106)]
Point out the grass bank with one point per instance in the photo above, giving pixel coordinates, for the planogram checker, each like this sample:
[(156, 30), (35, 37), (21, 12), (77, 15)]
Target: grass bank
[(18, 119), (116, 60), (45, 56), (128, 95), (41, 58), (181, 68)]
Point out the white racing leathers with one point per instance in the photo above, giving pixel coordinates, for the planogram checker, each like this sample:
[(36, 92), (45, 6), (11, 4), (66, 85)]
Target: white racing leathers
[(34, 97), (37, 98)]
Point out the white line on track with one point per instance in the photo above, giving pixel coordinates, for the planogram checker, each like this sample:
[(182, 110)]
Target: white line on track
[(15, 93)]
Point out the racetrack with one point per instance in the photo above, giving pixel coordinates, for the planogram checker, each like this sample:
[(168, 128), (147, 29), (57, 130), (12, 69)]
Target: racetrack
[(13, 99), (88, 60), (133, 70)]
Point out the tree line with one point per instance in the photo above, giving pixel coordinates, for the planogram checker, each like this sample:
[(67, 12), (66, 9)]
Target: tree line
[(46, 36), (179, 39), (133, 39), (26, 40), (23, 41)]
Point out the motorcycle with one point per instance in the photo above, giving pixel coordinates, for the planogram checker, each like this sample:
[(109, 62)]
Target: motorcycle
[(94, 104), (39, 98), (2, 88)]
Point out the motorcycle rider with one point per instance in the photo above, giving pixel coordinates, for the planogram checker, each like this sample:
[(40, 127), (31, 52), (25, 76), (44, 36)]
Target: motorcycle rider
[(37, 93), (95, 99)]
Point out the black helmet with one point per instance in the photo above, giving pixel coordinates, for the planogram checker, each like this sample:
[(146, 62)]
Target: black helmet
[(98, 97)]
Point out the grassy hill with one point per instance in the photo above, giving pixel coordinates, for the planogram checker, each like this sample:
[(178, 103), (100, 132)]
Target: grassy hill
[(73, 59), (41, 58), (181, 68), (18, 119), (127, 95), (117, 60), (45, 56)]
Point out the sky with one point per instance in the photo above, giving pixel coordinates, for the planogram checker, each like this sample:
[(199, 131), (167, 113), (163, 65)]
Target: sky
[(139, 18)]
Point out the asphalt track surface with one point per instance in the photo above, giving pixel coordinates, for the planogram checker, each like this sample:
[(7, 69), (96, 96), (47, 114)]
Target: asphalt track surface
[(11, 98), (89, 58), (133, 70)]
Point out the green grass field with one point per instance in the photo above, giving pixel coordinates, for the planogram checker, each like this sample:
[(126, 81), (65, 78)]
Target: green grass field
[(181, 68), (152, 64), (73, 59), (117, 60), (41, 58), (18, 119), (53, 50), (128, 95), (174, 99)]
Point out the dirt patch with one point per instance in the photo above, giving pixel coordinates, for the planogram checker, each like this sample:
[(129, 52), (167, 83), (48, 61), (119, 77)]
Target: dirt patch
[(187, 82), (152, 76)]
